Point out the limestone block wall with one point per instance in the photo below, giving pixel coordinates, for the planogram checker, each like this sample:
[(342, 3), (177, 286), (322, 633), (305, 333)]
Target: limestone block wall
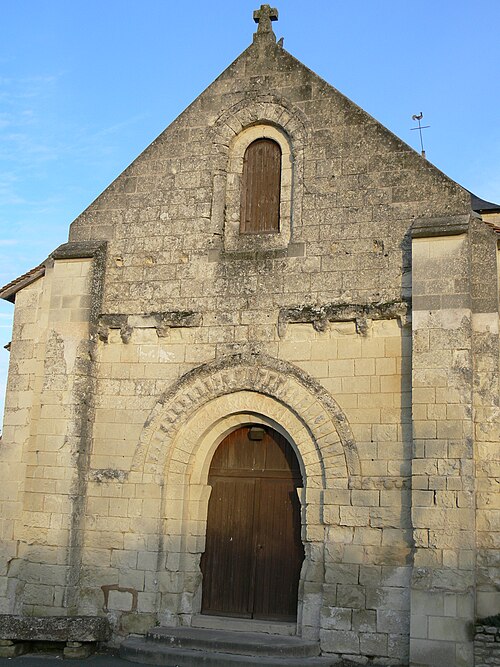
[(486, 397), (200, 329), (19, 408), (356, 189), (50, 355), (355, 192), (368, 539), (443, 497), (138, 564)]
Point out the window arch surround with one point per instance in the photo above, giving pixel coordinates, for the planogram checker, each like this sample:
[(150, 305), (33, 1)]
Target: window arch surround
[(277, 118)]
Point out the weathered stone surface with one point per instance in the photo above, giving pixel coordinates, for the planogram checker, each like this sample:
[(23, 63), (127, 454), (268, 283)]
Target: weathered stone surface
[(486, 646), (10, 649), (54, 628), (78, 650)]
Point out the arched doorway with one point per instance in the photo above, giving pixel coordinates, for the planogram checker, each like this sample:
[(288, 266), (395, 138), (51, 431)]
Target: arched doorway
[(253, 555)]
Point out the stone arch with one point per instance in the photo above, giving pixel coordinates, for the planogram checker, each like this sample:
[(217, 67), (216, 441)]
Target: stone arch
[(267, 116), (318, 413), (265, 109), (179, 440)]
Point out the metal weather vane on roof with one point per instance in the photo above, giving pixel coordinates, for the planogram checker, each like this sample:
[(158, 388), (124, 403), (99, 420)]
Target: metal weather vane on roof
[(420, 127)]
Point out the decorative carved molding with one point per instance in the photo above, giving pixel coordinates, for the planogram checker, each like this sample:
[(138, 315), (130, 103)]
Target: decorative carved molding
[(285, 383), (362, 314), (161, 321)]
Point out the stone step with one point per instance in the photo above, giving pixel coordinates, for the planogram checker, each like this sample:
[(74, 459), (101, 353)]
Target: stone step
[(242, 643), (243, 624), (155, 652), (194, 647)]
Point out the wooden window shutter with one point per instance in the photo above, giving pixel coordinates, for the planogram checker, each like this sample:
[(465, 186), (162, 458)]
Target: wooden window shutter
[(260, 188)]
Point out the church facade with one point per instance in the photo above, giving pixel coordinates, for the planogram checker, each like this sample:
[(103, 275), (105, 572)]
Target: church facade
[(261, 381)]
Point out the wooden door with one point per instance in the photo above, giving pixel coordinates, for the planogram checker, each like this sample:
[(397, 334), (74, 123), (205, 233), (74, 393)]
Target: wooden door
[(251, 565)]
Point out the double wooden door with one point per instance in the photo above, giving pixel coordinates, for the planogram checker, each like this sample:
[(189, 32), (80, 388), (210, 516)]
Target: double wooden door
[(251, 565)]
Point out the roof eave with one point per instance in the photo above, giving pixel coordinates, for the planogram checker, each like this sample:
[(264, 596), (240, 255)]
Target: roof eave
[(9, 291), (483, 206)]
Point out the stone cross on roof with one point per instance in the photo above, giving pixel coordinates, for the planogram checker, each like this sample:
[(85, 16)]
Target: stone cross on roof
[(263, 17)]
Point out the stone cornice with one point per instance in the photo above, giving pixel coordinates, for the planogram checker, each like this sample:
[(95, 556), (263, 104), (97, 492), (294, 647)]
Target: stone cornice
[(442, 226)]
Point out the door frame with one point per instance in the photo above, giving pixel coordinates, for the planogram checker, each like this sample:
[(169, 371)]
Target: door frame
[(289, 473), (178, 461), (198, 493)]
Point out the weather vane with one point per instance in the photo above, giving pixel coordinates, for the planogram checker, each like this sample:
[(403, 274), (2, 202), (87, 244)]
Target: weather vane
[(419, 117)]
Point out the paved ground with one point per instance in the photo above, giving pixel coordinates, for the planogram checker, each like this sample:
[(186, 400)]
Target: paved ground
[(37, 660)]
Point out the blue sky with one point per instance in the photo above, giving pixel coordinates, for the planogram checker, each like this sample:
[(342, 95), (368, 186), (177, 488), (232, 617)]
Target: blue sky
[(86, 85)]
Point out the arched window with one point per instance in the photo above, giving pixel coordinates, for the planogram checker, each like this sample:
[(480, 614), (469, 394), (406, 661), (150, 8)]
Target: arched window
[(260, 188)]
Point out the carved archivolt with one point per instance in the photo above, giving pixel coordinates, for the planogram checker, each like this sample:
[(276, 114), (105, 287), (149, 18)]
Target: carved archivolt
[(246, 385), (266, 109)]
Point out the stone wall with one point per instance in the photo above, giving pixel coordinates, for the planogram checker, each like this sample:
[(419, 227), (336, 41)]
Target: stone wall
[(442, 470), (487, 419), (486, 646), (19, 407), (363, 525), (49, 353), (355, 191)]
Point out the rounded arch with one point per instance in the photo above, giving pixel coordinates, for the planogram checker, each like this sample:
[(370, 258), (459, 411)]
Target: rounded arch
[(270, 110), (231, 412), (209, 425), (179, 440), (320, 429), (187, 492), (250, 135), (266, 116)]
